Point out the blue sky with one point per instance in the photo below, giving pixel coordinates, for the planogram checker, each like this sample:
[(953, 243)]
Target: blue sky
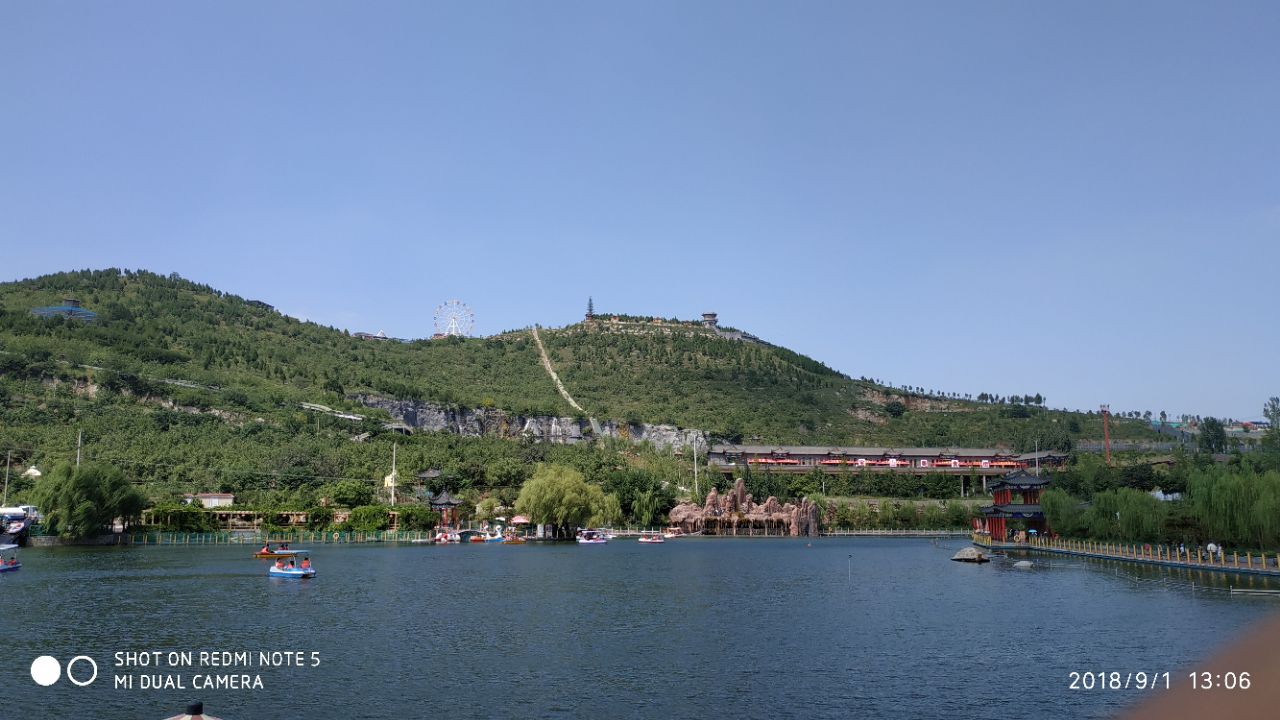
[(1077, 199)]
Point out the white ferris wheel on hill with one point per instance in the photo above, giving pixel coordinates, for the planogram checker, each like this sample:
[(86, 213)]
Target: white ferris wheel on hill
[(454, 318)]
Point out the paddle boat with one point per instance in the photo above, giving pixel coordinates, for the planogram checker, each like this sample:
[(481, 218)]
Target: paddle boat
[(591, 537), (278, 554), (286, 554), (9, 559), (279, 570), (652, 539)]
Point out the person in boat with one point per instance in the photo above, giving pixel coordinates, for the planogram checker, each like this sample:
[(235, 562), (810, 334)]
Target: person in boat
[(306, 563), (279, 564), (266, 548), (292, 566), (283, 546)]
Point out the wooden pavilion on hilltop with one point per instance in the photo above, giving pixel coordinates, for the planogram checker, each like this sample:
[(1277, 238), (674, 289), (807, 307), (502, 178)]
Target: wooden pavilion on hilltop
[(994, 522)]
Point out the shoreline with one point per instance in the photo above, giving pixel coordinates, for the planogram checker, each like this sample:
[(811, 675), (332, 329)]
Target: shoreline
[(419, 537)]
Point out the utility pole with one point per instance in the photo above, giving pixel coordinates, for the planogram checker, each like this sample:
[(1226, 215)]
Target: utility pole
[(1106, 431), (79, 444), (8, 459), (695, 466), (391, 479)]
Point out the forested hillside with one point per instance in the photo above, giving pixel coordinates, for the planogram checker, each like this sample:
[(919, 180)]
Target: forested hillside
[(192, 388)]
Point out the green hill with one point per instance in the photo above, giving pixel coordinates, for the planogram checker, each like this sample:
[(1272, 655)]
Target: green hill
[(192, 386)]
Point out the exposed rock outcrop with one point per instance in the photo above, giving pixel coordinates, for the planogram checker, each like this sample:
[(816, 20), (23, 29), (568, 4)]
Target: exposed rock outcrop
[(914, 402), (490, 422), (736, 513)]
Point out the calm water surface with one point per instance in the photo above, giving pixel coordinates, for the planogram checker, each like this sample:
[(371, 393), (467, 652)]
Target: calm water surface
[(868, 628)]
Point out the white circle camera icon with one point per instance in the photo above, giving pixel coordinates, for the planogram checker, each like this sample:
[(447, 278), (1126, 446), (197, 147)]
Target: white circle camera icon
[(72, 664), (46, 670)]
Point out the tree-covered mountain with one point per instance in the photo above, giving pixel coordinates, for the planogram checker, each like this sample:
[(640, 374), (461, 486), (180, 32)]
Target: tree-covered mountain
[(190, 385)]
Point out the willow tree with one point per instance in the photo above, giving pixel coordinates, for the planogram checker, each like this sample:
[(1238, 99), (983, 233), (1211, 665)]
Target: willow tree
[(559, 496), (1265, 515), (1223, 502), (1126, 514), (1063, 512), (608, 510), (80, 502), (648, 507)]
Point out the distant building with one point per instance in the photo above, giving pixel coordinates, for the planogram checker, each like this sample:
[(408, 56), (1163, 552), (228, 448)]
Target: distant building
[(972, 467), (369, 336), (804, 458), (710, 320), (70, 308), (210, 500)]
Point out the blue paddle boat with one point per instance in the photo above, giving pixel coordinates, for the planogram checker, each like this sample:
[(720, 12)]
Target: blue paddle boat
[(299, 572)]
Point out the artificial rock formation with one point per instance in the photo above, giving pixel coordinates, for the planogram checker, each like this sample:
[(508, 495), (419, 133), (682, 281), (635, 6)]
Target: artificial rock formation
[(736, 513)]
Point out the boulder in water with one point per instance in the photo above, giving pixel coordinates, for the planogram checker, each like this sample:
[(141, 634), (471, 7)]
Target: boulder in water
[(970, 554)]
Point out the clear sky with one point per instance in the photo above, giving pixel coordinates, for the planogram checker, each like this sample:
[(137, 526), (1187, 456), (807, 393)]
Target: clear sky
[(1079, 199)]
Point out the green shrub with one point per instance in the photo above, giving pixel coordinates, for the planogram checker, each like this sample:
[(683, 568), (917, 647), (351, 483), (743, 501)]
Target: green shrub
[(417, 517), (370, 518), (319, 518)]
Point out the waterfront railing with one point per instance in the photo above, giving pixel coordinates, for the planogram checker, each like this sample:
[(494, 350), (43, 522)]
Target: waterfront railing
[(296, 537), (1193, 557), (1149, 553), (884, 532)]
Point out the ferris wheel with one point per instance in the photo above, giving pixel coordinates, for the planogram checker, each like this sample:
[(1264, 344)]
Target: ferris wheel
[(454, 318)]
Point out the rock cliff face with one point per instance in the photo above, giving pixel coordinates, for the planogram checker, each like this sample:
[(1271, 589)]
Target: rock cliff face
[(482, 422), (736, 513)]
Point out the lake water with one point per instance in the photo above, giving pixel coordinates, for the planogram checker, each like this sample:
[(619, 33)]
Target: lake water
[(832, 628)]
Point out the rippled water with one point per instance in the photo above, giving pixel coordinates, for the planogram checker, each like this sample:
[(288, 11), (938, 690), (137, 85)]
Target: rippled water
[(834, 628)]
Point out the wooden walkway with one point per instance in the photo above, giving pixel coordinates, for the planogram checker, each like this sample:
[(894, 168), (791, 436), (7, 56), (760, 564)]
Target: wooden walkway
[(1145, 554)]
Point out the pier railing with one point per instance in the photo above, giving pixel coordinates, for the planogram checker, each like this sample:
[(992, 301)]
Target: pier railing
[(1149, 553), (882, 532), (295, 537)]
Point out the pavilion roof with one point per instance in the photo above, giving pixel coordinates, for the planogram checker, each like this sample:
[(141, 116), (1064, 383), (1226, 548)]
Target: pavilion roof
[(1022, 480), (1013, 510), (443, 499)]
